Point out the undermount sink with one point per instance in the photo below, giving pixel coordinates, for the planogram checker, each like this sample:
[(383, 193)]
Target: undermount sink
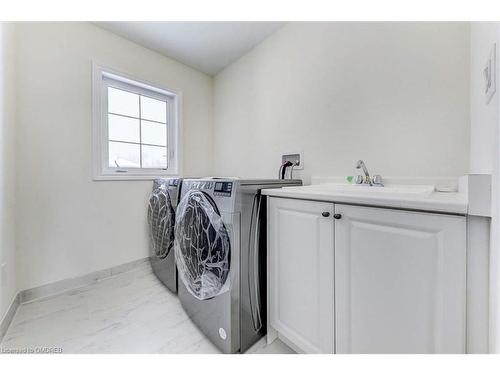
[(367, 190)]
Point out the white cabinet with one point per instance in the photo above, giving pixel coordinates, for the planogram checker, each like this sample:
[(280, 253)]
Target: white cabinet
[(399, 281), (301, 273), (398, 278)]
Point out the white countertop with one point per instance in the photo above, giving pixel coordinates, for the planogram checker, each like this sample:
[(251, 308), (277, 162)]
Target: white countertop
[(449, 202)]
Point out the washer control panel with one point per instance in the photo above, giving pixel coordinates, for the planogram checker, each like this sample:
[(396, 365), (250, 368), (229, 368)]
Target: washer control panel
[(223, 189), (173, 182)]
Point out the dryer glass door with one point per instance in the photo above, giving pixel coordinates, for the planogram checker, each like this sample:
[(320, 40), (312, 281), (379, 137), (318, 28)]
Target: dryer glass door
[(202, 246), (161, 220)]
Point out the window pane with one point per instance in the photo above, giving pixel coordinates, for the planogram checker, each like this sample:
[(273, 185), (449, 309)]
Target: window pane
[(123, 129), (154, 110), (124, 155), (154, 157), (154, 133), (123, 102)]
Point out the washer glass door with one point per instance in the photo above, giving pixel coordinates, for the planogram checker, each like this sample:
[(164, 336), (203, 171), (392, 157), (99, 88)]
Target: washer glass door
[(202, 246)]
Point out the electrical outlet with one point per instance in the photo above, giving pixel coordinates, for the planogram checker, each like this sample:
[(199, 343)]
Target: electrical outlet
[(295, 157)]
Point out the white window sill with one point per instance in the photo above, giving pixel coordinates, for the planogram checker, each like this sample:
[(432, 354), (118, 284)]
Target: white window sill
[(131, 176)]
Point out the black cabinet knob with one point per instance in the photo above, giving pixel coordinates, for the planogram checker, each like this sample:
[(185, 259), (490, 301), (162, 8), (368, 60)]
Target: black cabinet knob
[(325, 214), (337, 216)]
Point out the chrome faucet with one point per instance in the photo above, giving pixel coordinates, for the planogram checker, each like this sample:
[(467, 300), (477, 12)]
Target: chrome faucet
[(376, 181), (361, 165)]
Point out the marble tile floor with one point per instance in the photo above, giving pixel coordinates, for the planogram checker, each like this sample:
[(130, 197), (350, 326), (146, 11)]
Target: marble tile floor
[(131, 312)]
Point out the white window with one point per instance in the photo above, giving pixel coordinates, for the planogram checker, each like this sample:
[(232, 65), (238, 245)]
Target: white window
[(136, 128)]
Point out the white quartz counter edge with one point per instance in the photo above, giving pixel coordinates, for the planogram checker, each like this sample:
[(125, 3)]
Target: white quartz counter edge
[(452, 203)]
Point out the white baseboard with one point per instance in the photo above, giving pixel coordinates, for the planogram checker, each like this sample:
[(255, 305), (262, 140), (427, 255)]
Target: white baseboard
[(60, 286)]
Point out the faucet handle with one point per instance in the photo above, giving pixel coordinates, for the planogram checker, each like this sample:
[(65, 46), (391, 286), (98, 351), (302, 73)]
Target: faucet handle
[(377, 180), (358, 179)]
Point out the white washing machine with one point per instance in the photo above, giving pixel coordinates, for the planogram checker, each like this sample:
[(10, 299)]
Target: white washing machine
[(220, 251)]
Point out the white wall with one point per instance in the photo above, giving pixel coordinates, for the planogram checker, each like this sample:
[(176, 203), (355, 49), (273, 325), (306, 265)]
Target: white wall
[(485, 154), (484, 117), (67, 224), (393, 94), (8, 287)]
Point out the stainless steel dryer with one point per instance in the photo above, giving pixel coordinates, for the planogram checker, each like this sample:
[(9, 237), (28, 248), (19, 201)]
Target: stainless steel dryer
[(220, 251), (161, 220)]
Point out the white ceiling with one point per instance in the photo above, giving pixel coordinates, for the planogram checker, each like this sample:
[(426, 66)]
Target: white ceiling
[(205, 46)]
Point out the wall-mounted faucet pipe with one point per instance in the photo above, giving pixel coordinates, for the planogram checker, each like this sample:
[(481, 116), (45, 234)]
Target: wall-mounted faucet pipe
[(283, 168)]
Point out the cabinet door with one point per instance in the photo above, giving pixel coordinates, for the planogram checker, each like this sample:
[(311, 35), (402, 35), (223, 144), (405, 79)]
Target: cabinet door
[(301, 272), (399, 281)]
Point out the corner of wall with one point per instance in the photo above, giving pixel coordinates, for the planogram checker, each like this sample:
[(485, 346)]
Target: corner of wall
[(8, 266), (485, 154)]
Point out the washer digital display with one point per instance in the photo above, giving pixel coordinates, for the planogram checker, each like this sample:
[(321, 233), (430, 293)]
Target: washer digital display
[(223, 188)]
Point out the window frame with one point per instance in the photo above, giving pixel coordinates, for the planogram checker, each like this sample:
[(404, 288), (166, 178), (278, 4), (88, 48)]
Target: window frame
[(101, 79)]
